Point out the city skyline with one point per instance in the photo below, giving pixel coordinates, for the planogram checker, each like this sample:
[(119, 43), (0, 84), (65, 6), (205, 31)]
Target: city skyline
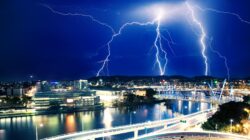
[(41, 39)]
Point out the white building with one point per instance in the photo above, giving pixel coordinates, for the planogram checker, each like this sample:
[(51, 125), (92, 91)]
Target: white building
[(80, 84), (14, 91)]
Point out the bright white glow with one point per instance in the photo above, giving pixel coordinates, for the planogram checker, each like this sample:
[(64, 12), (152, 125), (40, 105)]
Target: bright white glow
[(70, 100), (107, 119), (160, 14), (158, 47), (160, 11), (41, 125)]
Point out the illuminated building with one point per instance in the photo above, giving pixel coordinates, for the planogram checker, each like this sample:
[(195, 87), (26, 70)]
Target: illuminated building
[(14, 91), (140, 93), (68, 99), (80, 84)]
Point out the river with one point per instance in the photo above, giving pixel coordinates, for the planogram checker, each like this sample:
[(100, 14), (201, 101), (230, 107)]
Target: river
[(24, 128)]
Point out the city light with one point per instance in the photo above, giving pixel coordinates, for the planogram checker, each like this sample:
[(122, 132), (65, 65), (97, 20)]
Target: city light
[(70, 100), (125, 70)]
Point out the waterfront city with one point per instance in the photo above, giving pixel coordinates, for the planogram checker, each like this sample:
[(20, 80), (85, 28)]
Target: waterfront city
[(124, 70)]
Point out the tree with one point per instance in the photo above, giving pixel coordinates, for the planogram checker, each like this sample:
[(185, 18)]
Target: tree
[(25, 100), (150, 93), (246, 99), (130, 97), (221, 119)]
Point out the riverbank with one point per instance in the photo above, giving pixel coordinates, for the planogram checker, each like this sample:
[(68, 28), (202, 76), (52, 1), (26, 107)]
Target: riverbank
[(25, 112), (20, 128)]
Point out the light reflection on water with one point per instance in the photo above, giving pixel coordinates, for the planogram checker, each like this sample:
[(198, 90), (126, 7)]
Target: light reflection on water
[(107, 119), (70, 123), (23, 128)]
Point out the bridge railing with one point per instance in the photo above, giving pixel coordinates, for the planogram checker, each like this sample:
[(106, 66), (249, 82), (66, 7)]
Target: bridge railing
[(124, 127), (206, 134)]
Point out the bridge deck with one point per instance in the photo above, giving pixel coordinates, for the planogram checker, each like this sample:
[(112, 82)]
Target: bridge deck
[(130, 128)]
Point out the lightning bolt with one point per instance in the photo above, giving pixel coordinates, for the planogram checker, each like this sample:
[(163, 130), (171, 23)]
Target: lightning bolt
[(157, 44), (202, 36), (105, 61), (203, 31), (162, 67), (169, 42), (222, 57), (224, 12), (78, 14), (158, 41)]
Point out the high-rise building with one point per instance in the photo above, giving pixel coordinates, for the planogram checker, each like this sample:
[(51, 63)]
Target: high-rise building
[(80, 84)]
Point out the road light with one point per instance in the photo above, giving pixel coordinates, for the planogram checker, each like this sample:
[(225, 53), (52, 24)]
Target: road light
[(231, 123), (130, 116), (238, 127), (248, 111)]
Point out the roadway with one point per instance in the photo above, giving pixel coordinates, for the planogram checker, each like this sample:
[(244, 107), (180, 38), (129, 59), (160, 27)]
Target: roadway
[(191, 135), (167, 124)]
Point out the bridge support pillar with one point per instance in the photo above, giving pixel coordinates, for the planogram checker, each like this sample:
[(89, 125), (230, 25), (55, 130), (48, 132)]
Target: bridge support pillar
[(135, 134)]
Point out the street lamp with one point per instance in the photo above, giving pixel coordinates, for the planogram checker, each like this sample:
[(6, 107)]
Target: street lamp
[(231, 123), (40, 125), (130, 116), (248, 111)]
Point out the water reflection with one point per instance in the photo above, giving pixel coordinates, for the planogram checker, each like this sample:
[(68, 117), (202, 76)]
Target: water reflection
[(24, 127), (70, 123), (107, 118), (2, 134), (87, 120)]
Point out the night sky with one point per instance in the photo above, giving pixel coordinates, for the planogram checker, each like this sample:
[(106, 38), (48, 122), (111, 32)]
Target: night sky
[(35, 41)]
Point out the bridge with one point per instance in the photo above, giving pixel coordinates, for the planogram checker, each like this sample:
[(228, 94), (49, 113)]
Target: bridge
[(167, 124), (213, 99)]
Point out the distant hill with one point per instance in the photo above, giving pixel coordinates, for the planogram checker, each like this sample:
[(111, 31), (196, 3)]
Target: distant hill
[(151, 78)]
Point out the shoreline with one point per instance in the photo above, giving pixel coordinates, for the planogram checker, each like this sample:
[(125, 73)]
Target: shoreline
[(74, 110), (48, 112)]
